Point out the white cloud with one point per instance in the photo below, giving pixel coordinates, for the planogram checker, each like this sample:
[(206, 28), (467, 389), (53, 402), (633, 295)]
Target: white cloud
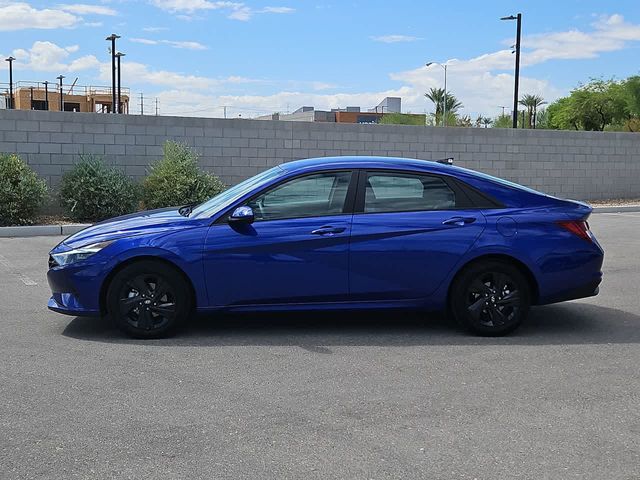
[(395, 38), (20, 16), (191, 6), (84, 9), (610, 33), (154, 29), (175, 44), (49, 57), (277, 10), (72, 48), (236, 10)]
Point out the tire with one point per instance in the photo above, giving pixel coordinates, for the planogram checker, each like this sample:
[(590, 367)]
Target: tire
[(490, 298), (149, 299)]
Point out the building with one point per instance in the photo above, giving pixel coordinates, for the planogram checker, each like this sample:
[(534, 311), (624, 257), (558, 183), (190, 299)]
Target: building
[(75, 98), (340, 115)]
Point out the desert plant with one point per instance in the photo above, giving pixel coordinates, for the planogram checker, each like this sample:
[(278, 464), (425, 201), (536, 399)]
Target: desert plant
[(176, 180), (93, 191), (21, 191)]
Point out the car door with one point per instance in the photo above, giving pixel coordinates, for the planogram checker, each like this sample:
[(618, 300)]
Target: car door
[(408, 231), (295, 251)]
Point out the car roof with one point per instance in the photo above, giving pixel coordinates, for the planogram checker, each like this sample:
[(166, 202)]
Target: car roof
[(365, 162)]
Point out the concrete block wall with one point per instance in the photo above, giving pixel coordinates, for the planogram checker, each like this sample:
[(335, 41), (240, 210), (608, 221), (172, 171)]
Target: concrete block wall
[(581, 165)]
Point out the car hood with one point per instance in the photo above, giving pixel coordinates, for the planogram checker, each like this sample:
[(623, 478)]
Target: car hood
[(141, 223)]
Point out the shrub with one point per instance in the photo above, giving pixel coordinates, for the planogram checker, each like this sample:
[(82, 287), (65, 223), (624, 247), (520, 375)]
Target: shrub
[(176, 180), (21, 191), (93, 191)]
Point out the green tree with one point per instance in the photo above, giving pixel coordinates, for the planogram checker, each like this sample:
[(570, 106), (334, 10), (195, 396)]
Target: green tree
[(437, 96), (403, 119), (502, 121), (594, 106), (532, 103)]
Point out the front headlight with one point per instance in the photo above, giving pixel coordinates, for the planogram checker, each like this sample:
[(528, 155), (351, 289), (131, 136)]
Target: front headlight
[(78, 254)]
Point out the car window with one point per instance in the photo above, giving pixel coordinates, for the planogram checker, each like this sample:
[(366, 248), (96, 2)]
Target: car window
[(399, 192), (309, 196)]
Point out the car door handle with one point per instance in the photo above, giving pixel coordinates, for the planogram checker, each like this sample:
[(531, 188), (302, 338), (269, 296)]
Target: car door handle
[(327, 230), (459, 221)]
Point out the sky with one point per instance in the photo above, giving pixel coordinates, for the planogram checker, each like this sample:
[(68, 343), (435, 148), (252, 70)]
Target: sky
[(262, 56)]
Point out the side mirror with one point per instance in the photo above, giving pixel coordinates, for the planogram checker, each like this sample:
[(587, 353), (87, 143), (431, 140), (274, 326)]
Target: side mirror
[(242, 215)]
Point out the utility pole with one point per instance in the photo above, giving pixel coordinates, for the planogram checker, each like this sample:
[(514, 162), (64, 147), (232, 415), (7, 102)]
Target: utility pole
[(61, 77), (517, 73), (113, 38), (10, 60), (225, 111), (119, 55), (141, 103), (31, 91), (156, 106), (46, 95)]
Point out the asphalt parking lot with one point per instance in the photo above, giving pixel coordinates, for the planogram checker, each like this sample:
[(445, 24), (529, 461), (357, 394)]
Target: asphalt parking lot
[(304, 396)]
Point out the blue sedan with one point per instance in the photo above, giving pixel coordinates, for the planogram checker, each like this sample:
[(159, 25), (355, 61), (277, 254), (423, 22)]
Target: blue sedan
[(336, 233)]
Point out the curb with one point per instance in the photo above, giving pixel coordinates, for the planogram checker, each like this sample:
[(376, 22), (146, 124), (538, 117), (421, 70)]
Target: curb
[(630, 208), (41, 230)]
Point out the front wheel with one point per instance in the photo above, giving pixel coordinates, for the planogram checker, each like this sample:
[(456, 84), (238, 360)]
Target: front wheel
[(490, 298), (148, 299)]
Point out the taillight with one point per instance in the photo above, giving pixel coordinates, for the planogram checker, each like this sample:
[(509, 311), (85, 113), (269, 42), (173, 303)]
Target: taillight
[(577, 227)]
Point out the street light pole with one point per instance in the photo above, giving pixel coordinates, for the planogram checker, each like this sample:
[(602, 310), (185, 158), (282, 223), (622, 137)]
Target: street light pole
[(46, 95), (517, 72), (113, 38), (119, 55), (61, 77), (444, 107), (10, 60)]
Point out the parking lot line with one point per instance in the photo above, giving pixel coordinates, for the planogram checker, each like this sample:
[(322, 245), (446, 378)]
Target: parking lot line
[(14, 271)]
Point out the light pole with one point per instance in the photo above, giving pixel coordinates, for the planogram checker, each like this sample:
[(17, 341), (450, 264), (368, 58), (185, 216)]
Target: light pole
[(61, 77), (515, 90), (46, 95), (502, 107), (10, 60), (444, 106), (113, 38), (119, 55)]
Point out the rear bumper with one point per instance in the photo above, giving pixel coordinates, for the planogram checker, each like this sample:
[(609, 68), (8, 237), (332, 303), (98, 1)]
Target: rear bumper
[(590, 289)]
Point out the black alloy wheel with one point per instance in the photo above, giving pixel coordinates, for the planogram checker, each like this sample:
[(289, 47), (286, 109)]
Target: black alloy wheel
[(148, 300), (491, 298)]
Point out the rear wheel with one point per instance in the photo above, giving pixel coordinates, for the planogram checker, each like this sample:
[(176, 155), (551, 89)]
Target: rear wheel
[(148, 299), (490, 298)]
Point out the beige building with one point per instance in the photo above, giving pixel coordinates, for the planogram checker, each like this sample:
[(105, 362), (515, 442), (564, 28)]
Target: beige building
[(37, 96)]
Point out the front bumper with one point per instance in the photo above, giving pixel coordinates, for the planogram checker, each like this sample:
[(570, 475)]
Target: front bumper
[(75, 289), (67, 304)]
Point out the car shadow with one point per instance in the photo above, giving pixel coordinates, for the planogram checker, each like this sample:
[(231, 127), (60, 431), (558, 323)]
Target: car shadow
[(569, 323)]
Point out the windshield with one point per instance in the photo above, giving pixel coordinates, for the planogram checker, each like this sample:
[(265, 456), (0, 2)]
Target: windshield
[(226, 198)]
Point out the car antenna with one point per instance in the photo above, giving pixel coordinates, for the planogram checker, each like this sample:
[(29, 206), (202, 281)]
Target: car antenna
[(446, 161)]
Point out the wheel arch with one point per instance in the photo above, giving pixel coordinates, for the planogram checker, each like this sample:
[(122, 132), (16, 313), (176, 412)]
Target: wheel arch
[(129, 261), (505, 258)]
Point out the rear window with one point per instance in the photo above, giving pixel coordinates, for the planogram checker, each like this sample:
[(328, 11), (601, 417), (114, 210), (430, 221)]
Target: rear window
[(391, 192)]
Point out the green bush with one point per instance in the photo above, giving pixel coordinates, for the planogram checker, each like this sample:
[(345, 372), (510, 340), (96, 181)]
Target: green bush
[(21, 191), (176, 180), (93, 191)]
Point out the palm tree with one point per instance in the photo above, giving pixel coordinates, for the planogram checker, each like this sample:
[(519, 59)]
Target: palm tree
[(532, 102), (486, 121), (437, 96)]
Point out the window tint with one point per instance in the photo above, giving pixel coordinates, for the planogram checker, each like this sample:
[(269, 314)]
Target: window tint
[(397, 192), (310, 196)]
